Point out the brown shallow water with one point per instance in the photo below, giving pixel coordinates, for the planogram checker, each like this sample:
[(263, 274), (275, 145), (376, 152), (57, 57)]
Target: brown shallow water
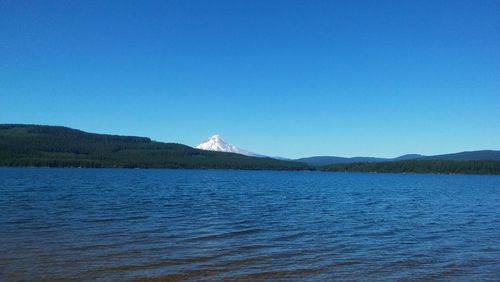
[(102, 225)]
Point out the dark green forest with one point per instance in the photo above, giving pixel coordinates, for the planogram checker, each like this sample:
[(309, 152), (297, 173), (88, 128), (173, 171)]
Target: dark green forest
[(420, 166), (56, 146)]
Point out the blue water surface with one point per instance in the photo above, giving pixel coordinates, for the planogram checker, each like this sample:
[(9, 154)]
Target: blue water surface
[(123, 224)]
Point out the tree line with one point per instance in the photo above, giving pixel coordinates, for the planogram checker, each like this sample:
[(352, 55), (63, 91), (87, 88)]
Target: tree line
[(54, 146)]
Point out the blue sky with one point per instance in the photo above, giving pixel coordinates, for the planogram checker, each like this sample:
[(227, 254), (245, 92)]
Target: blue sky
[(287, 78)]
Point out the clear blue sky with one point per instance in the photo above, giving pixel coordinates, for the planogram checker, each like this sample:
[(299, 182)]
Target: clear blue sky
[(287, 78)]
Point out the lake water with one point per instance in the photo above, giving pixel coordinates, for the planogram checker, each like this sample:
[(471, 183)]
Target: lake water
[(126, 224)]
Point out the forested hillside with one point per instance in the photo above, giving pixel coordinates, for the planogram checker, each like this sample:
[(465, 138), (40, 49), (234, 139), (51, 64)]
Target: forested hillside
[(55, 146)]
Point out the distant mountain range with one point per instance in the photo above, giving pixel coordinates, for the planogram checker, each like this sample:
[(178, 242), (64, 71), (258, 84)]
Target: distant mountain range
[(484, 155), (328, 160), (24, 145), (216, 143)]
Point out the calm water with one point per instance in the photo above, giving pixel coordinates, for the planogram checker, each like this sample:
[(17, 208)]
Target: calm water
[(108, 224)]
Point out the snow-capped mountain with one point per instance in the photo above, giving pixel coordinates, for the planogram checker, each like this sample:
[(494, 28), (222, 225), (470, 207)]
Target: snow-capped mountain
[(216, 143)]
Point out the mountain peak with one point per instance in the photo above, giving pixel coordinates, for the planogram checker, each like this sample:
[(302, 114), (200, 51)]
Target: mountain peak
[(216, 143), (216, 137)]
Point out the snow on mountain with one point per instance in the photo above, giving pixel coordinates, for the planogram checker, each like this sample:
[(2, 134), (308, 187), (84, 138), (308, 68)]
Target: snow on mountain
[(216, 143)]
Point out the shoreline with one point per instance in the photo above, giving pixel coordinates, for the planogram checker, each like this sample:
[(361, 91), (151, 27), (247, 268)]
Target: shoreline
[(233, 169)]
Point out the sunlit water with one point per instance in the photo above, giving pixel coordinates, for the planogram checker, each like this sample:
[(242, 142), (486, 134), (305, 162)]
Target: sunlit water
[(125, 224)]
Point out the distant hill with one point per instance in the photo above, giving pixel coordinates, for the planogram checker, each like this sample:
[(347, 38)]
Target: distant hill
[(484, 155), (56, 146), (407, 157), (327, 160)]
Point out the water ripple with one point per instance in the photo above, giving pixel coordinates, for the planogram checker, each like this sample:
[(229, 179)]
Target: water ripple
[(172, 225)]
